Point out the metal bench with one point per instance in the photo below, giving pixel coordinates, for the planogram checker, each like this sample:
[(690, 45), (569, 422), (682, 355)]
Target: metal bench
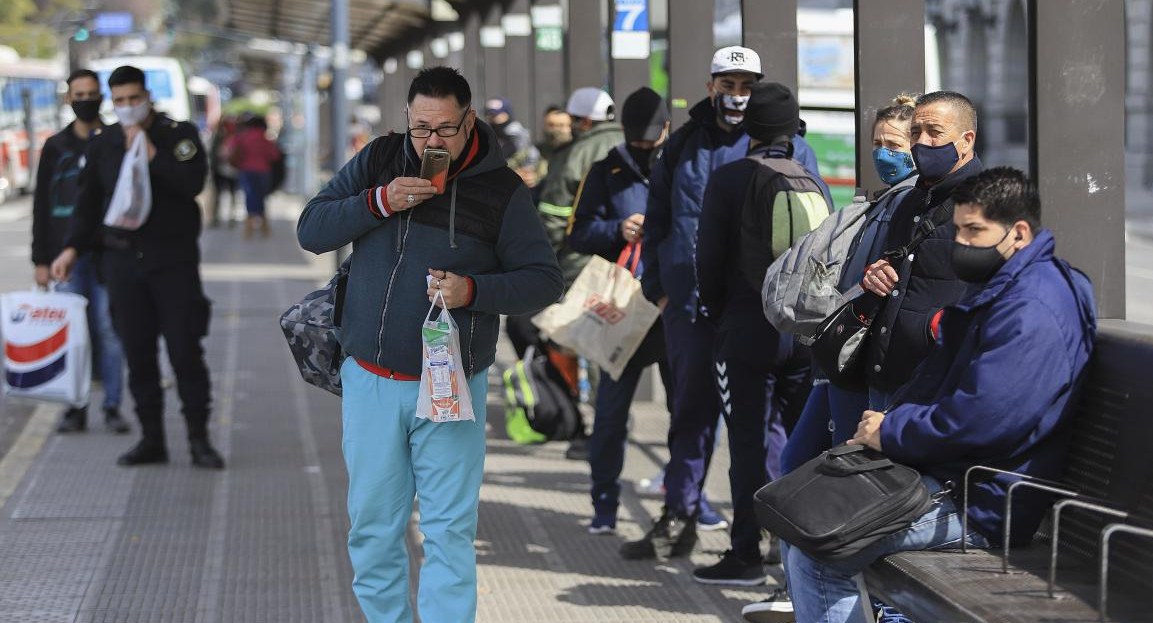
[(1093, 558)]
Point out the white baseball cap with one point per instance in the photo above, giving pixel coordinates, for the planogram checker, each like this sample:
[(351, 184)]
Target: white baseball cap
[(736, 58), (591, 103)]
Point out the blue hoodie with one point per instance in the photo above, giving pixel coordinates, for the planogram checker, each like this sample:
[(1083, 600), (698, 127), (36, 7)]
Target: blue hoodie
[(502, 247), (997, 387), (614, 189), (676, 192)]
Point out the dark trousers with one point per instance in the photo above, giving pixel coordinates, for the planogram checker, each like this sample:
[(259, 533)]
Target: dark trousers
[(696, 408), (222, 184), (166, 302), (256, 186), (760, 375), (610, 433)]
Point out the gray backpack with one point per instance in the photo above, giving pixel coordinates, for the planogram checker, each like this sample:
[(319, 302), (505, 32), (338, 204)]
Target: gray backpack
[(800, 286)]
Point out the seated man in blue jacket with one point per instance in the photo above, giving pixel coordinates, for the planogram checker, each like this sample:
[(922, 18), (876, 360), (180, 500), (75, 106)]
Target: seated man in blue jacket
[(995, 390)]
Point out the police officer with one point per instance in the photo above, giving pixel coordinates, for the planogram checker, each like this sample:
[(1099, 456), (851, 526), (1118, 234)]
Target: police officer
[(153, 271)]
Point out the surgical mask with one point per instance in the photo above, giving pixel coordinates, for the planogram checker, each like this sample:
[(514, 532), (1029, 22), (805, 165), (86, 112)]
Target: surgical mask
[(935, 163), (133, 115), (978, 264), (86, 110), (893, 166), (724, 103)]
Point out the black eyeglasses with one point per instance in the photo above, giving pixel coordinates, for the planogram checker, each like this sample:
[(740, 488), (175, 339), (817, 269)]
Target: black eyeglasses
[(443, 131)]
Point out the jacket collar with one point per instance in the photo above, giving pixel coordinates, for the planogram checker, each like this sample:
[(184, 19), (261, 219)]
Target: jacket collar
[(622, 152), (1040, 250)]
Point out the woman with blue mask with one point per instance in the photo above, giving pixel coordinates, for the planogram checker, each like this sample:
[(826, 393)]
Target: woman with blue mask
[(831, 413)]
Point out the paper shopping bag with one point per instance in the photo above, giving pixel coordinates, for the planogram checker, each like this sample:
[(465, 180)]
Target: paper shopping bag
[(604, 316), (46, 346)]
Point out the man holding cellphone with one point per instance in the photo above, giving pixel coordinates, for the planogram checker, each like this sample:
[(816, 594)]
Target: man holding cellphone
[(480, 244)]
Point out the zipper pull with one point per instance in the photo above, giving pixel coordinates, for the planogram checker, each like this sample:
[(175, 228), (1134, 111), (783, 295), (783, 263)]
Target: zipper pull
[(945, 492)]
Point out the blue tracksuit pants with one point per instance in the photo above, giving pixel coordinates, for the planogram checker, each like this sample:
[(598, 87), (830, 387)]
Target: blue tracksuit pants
[(392, 456)]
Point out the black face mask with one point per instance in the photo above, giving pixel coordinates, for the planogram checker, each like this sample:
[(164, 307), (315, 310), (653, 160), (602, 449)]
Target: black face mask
[(643, 158), (86, 110), (978, 264)]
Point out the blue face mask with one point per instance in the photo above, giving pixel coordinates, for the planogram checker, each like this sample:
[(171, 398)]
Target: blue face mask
[(893, 166), (935, 163)]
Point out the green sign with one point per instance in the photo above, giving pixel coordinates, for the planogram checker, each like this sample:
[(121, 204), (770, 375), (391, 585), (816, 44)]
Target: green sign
[(549, 39)]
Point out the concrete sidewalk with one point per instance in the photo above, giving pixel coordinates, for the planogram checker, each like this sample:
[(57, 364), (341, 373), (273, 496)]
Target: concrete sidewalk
[(84, 540)]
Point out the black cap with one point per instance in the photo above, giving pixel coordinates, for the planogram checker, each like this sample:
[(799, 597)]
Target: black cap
[(772, 111), (644, 115)]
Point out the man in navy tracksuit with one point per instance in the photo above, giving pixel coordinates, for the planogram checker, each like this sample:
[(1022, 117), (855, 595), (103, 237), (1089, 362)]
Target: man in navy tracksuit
[(759, 371), (712, 137), (609, 221)]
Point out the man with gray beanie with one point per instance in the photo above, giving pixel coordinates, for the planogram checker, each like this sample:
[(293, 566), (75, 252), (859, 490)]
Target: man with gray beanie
[(760, 373)]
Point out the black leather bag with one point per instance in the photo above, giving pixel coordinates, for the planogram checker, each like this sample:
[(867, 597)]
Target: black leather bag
[(839, 342), (841, 502)]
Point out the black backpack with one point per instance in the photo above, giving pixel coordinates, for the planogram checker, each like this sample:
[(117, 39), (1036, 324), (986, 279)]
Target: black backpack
[(782, 203), (536, 391)]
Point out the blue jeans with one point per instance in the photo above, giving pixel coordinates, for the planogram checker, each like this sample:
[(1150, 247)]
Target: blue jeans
[(880, 400), (392, 456), (85, 283), (256, 187), (830, 419), (828, 593)]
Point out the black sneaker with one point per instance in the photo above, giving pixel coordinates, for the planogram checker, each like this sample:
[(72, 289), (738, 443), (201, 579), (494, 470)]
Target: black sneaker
[(115, 423), (74, 420), (778, 608), (732, 571), (671, 536), (578, 449), (204, 455), (144, 453)]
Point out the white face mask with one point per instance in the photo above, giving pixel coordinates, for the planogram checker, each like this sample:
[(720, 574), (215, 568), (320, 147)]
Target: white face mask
[(133, 115), (727, 103)]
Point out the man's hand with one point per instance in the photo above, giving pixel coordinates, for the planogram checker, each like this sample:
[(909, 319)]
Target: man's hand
[(407, 192), (869, 430), (880, 278), (43, 275), (62, 265), (454, 288), (130, 133), (632, 228)]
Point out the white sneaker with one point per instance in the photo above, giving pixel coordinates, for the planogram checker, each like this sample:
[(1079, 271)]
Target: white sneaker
[(778, 608)]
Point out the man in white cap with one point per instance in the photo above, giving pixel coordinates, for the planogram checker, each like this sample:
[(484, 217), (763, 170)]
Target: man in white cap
[(713, 136)]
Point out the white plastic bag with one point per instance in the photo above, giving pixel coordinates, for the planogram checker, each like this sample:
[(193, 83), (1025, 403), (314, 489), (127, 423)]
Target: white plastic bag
[(603, 317), (132, 199), (46, 347), (444, 393)]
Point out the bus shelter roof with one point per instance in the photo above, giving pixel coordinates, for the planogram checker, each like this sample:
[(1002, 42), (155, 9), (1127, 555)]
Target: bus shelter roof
[(377, 27)]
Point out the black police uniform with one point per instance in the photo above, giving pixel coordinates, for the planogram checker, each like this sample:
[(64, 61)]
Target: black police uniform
[(153, 277)]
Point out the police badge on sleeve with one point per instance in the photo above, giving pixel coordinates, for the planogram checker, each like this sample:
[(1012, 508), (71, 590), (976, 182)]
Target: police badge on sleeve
[(185, 150)]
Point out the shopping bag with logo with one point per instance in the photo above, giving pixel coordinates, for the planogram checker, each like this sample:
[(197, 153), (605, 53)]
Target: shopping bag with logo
[(444, 394), (604, 316), (132, 198), (46, 346)]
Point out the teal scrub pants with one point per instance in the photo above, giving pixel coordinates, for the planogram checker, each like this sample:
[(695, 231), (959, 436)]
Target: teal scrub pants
[(392, 456)]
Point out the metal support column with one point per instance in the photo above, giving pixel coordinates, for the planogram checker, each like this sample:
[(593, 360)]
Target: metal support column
[(310, 107), (889, 39), (1079, 74), (518, 45), (471, 67), (586, 44), (548, 62), (630, 49), (770, 29), (339, 78), (690, 54), (494, 57)]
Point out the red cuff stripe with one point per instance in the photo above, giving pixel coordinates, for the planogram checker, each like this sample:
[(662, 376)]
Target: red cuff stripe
[(382, 201), (370, 199), (471, 291)]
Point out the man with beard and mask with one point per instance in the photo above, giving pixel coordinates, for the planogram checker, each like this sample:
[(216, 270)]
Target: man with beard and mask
[(760, 373), (609, 220), (712, 137), (481, 247), (515, 140), (57, 177), (920, 285), (996, 389), (557, 133), (152, 272)]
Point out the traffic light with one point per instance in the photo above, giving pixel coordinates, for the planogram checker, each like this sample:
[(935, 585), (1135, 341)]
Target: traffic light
[(82, 34)]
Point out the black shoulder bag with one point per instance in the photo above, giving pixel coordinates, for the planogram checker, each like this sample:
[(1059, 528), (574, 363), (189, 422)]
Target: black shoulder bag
[(839, 341)]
